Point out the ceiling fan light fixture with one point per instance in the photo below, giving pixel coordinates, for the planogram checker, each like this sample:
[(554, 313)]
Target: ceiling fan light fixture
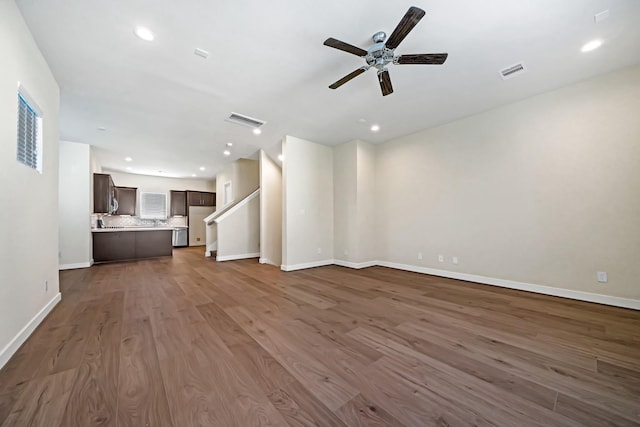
[(144, 33)]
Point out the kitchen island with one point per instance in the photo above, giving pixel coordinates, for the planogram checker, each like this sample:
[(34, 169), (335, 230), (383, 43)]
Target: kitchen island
[(131, 243)]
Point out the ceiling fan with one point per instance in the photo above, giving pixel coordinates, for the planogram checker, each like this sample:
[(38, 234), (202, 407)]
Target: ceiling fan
[(381, 52)]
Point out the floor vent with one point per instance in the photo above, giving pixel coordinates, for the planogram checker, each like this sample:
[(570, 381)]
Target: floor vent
[(512, 71), (245, 120)]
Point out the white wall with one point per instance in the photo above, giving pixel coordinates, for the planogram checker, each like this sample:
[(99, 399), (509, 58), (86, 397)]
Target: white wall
[(29, 219), (239, 231), (544, 191), (74, 205), (270, 211), (307, 204)]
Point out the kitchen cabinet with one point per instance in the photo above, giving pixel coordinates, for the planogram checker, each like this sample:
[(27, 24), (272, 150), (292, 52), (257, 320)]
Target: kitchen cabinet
[(150, 244), (178, 203), (116, 246), (103, 193), (127, 198), (129, 245), (201, 198)]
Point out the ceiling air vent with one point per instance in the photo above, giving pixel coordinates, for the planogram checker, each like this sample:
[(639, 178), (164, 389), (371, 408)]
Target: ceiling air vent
[(512, 71), (245, 120)]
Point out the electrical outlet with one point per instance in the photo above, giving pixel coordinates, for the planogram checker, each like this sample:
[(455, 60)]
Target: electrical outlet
[(602, 277), (440, 258), (454, 260), (419, 255), (319, 250), (197, 239)]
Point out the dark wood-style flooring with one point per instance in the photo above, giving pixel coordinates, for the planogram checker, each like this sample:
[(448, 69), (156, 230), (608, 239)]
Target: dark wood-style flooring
[(187, 341)]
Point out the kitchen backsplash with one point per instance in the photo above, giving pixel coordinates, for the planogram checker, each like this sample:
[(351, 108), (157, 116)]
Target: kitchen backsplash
[(127, 221)]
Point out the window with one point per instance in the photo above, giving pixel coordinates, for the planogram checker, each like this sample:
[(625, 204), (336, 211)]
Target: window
[(153, 205), (29, 138)]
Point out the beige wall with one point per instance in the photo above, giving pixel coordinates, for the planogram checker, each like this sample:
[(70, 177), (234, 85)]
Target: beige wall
[(543, 191), (307, 203), (345, 201), (239, 231), (244, 175), (29, 218), (366, 206), (270, 211), (246, 178), (354, 203), (74, 205)]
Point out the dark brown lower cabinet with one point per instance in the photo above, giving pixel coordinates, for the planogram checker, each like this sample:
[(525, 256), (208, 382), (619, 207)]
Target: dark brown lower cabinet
[(127, 245), (151, 244)]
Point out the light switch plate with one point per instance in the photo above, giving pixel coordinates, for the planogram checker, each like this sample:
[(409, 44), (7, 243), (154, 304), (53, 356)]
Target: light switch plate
[(603, 277)]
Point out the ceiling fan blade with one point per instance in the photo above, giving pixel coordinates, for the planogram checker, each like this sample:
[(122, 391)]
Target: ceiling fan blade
[(337, 44), (385, 82), (408, 21), (348, 77), (422, 58)]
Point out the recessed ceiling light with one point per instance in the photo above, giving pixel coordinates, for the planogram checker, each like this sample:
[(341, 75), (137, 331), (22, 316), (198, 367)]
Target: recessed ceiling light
[(128, 159), (201, 52), (143, 33), (128, 168), (229, 144), (257, 131), (280, 157), (375, 128), (226, 152), (592, 45), (202, 168), (193, 175)]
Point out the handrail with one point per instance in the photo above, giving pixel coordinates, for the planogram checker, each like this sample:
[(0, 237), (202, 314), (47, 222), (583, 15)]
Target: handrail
[(218, 216)]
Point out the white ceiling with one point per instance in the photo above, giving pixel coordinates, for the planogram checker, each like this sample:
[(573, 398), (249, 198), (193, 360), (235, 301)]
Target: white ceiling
[(165, 107)]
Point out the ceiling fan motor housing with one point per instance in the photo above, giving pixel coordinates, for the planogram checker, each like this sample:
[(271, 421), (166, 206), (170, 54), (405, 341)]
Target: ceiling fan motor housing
[(378, 55)]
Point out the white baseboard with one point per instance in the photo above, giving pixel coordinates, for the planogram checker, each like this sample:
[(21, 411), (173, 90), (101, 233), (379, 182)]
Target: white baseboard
[(356, 265), (207, 254), (530, 287), (76, 265), (268, 261), (306, 265), (234, 257), (13, 346)]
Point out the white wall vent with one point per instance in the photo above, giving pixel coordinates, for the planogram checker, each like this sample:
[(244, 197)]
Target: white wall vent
[(512, 71), (245, 120)]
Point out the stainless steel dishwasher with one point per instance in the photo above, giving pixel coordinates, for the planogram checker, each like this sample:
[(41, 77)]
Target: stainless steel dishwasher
[(180, 237)]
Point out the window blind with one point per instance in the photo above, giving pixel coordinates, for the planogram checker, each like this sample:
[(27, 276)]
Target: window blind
[(153, 205), (28, 134)]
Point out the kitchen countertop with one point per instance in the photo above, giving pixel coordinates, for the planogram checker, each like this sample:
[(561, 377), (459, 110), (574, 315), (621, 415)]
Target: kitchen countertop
[(133, 228)]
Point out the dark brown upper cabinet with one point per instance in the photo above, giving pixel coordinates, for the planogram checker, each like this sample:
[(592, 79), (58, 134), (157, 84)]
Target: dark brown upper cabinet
[(103, 193), (178, 203), (201, 198), (126, 197)]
